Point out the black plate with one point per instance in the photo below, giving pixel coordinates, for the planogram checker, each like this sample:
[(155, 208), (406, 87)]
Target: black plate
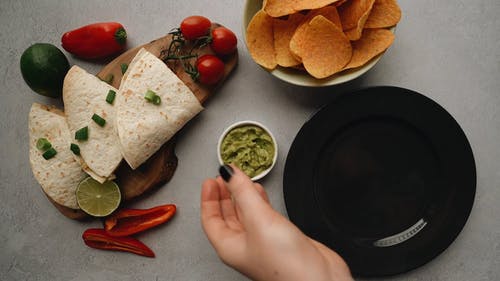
[(384, 176)]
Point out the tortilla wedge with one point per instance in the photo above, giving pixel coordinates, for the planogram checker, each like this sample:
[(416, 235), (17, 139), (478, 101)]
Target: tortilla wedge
[(143, 127), (85, 95), (58, 176)]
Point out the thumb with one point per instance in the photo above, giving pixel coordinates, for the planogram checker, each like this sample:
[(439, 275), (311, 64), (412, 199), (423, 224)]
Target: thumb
[(253, 207)]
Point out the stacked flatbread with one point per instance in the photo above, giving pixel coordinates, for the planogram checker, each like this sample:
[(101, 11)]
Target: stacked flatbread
[(134, 128), (60, 175), (144, 127), (85, 95)]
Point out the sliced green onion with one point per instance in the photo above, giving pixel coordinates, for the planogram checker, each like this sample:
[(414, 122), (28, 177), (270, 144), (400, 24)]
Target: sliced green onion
[(110, 98), (99, 120), (124, 67), (152, 97), (43, 144), (51, 152), (82, 134), (75, 148), (156, 100)]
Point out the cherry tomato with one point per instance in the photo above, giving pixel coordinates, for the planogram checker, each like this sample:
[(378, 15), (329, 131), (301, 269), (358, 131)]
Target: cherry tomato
[(223, 41), (210, 68), (195, 26)]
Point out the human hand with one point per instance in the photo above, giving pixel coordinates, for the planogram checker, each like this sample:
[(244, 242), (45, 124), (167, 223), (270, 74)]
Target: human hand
[(250, 236)]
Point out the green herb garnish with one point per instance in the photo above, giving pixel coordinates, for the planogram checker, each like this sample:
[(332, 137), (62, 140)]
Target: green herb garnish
[(152, 97), (156, 100), (43, 144), (178, 52), (82, 134), (99, 120), (124, 67), (110, 98), (75, 148), (51, 152)]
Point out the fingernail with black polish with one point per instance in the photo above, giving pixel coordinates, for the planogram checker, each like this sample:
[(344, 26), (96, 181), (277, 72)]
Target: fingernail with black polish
[(226, 172)]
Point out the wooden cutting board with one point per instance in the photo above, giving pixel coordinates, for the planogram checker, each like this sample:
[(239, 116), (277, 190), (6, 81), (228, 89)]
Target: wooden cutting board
[(160, 167)]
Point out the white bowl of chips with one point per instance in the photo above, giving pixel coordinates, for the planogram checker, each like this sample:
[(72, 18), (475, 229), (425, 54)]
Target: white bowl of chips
[(319, 43)]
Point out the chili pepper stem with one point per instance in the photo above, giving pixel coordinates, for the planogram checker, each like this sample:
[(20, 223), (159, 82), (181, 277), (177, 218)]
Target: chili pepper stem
[(121, 36)]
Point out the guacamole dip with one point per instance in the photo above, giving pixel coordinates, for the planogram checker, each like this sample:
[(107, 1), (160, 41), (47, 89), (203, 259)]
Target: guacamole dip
[(250, 148)]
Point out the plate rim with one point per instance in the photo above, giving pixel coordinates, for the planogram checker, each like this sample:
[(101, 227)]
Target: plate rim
[(460, 215)]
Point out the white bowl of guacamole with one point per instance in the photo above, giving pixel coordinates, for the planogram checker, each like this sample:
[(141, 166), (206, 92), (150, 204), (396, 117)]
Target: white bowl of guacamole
[(250, 146)]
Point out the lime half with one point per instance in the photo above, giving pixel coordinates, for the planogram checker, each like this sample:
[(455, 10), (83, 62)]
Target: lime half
[(98, 199)]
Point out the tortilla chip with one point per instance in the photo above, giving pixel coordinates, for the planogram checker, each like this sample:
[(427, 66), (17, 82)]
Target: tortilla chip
[(260, 40), (372, 43), (354, 34), (85, 95), (325, 49), (353, 14), (338, 3), (279, 8), (299, 67), (296, 41), (385, 13), (300, 5), (59, 176), (329, 12), (283, 32)]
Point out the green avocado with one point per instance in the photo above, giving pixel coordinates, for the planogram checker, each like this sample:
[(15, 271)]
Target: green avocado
[(44, 67)]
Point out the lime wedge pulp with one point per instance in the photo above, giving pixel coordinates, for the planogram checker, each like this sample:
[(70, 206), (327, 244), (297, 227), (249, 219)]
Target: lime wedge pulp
[(98, 199)]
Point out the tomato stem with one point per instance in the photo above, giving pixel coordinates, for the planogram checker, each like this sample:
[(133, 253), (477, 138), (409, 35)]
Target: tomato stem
[(174, 51), (180, 57)]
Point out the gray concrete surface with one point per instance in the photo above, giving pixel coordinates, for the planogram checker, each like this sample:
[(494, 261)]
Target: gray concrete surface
[(447, 50)]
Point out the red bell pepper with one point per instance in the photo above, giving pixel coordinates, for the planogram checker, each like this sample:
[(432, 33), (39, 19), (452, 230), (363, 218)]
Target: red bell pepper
[(96, 40), (129, 221), (99, 239)]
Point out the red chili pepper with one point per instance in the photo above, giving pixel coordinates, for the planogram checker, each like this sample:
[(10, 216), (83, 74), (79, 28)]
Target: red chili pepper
[(129, 221), (96, 40), (99, 239)]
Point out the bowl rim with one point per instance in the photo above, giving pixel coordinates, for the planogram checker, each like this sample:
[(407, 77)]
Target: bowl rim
[(258, 124), (300, 78)]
